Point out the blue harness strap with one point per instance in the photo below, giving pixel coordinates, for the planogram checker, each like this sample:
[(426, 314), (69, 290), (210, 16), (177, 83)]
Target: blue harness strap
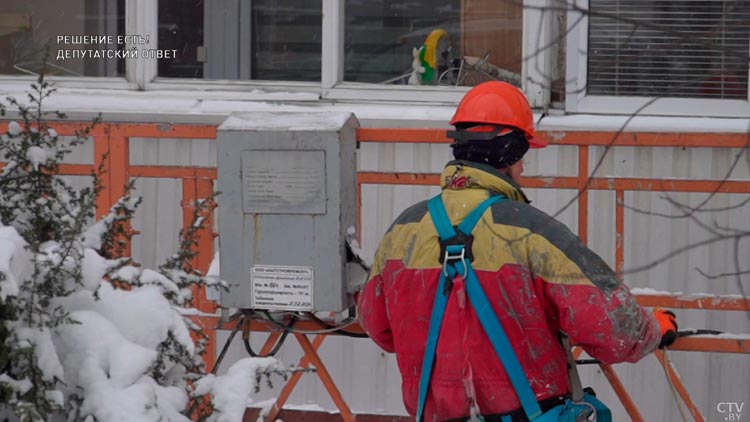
[(502, 345), (455, 262), (445, 231)]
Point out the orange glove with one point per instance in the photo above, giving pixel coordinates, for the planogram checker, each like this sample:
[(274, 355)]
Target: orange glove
[(668, 324)]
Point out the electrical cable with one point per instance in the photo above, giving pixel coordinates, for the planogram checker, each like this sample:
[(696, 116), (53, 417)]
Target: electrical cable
[(334, 329), (697, 332), (246, 337), (340, 330), (245, 316), (224, 349), (680, 334)]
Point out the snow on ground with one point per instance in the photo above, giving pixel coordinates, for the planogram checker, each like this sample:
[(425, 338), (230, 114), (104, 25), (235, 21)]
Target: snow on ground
[(266, 405)]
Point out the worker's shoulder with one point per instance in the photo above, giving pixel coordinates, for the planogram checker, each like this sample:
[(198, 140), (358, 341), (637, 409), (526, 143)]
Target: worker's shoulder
[(523, 215), (412, 214)]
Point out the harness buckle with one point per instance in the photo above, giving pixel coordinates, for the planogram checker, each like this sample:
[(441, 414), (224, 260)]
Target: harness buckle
[(457, 248), (448, 256)]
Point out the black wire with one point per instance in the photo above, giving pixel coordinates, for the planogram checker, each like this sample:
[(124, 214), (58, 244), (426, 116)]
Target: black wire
[(344, 332), (251, 352), (236, 328), (683, 333), (246, 316), (224, 349), (338, 331), (697, 332), (587, 361)]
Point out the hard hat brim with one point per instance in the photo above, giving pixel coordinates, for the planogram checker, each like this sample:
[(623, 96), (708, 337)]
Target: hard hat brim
[(536, 142)]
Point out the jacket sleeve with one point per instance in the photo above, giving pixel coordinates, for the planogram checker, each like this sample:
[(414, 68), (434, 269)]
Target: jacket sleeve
[(372, 313), (610, 327), (590, 303)]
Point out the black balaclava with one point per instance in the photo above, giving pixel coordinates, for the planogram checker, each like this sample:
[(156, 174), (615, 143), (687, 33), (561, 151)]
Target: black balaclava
[(499, 152)]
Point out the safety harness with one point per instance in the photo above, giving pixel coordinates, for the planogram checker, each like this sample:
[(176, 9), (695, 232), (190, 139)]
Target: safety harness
[(456, 257)]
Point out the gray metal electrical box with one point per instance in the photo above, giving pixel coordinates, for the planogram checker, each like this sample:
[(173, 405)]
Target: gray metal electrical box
[(288, 189)]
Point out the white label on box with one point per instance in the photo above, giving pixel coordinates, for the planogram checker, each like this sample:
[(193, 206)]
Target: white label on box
[(282, 287)]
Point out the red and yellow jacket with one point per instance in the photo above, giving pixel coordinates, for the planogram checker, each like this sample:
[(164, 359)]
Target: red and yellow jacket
[(540, 279)]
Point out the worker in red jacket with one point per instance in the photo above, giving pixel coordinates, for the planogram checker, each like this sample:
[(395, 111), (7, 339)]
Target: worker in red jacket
[(539, 277)]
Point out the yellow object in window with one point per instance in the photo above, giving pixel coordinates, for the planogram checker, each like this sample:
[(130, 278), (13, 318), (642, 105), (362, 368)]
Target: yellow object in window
[(427, 57)]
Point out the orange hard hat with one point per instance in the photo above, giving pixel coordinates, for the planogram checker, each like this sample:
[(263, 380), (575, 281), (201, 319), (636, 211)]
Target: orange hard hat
[(498, 103)]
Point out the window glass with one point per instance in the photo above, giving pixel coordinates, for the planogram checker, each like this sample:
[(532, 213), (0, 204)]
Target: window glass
[(85, 37), (435, 42), (181, 28), (236, 39), (669, 48)]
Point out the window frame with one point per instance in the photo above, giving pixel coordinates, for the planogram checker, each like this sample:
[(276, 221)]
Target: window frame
[(141, 18), (577, 100)]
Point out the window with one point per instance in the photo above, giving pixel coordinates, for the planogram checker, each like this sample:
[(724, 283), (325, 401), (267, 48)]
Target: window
[(638, 56), (281, 40), (349, 50), (277, 40), (82, 36), (449, 42), (679, 48), (181, 28)]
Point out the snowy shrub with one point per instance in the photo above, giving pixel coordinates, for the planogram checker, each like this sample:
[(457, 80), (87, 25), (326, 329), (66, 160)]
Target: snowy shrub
[(87, 335), (230, 392)]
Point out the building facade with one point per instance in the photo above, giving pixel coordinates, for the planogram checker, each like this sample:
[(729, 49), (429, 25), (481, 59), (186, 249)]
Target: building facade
[(644, 88)]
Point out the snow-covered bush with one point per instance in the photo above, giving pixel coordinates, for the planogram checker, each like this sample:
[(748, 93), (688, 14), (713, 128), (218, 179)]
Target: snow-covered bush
[(86, 334)]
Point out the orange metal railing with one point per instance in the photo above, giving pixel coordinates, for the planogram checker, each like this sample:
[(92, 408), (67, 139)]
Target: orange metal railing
[(112, 151)]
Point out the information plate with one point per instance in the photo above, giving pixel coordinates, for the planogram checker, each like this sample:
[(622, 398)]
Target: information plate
[(284, 182), (282, 287)]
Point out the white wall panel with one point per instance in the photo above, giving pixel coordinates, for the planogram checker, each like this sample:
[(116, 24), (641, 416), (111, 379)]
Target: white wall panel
[(79, 154), (173, 152), (159, 218), (654, 229)]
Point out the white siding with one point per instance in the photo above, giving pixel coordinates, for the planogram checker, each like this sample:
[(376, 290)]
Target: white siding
[(159, 218)]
